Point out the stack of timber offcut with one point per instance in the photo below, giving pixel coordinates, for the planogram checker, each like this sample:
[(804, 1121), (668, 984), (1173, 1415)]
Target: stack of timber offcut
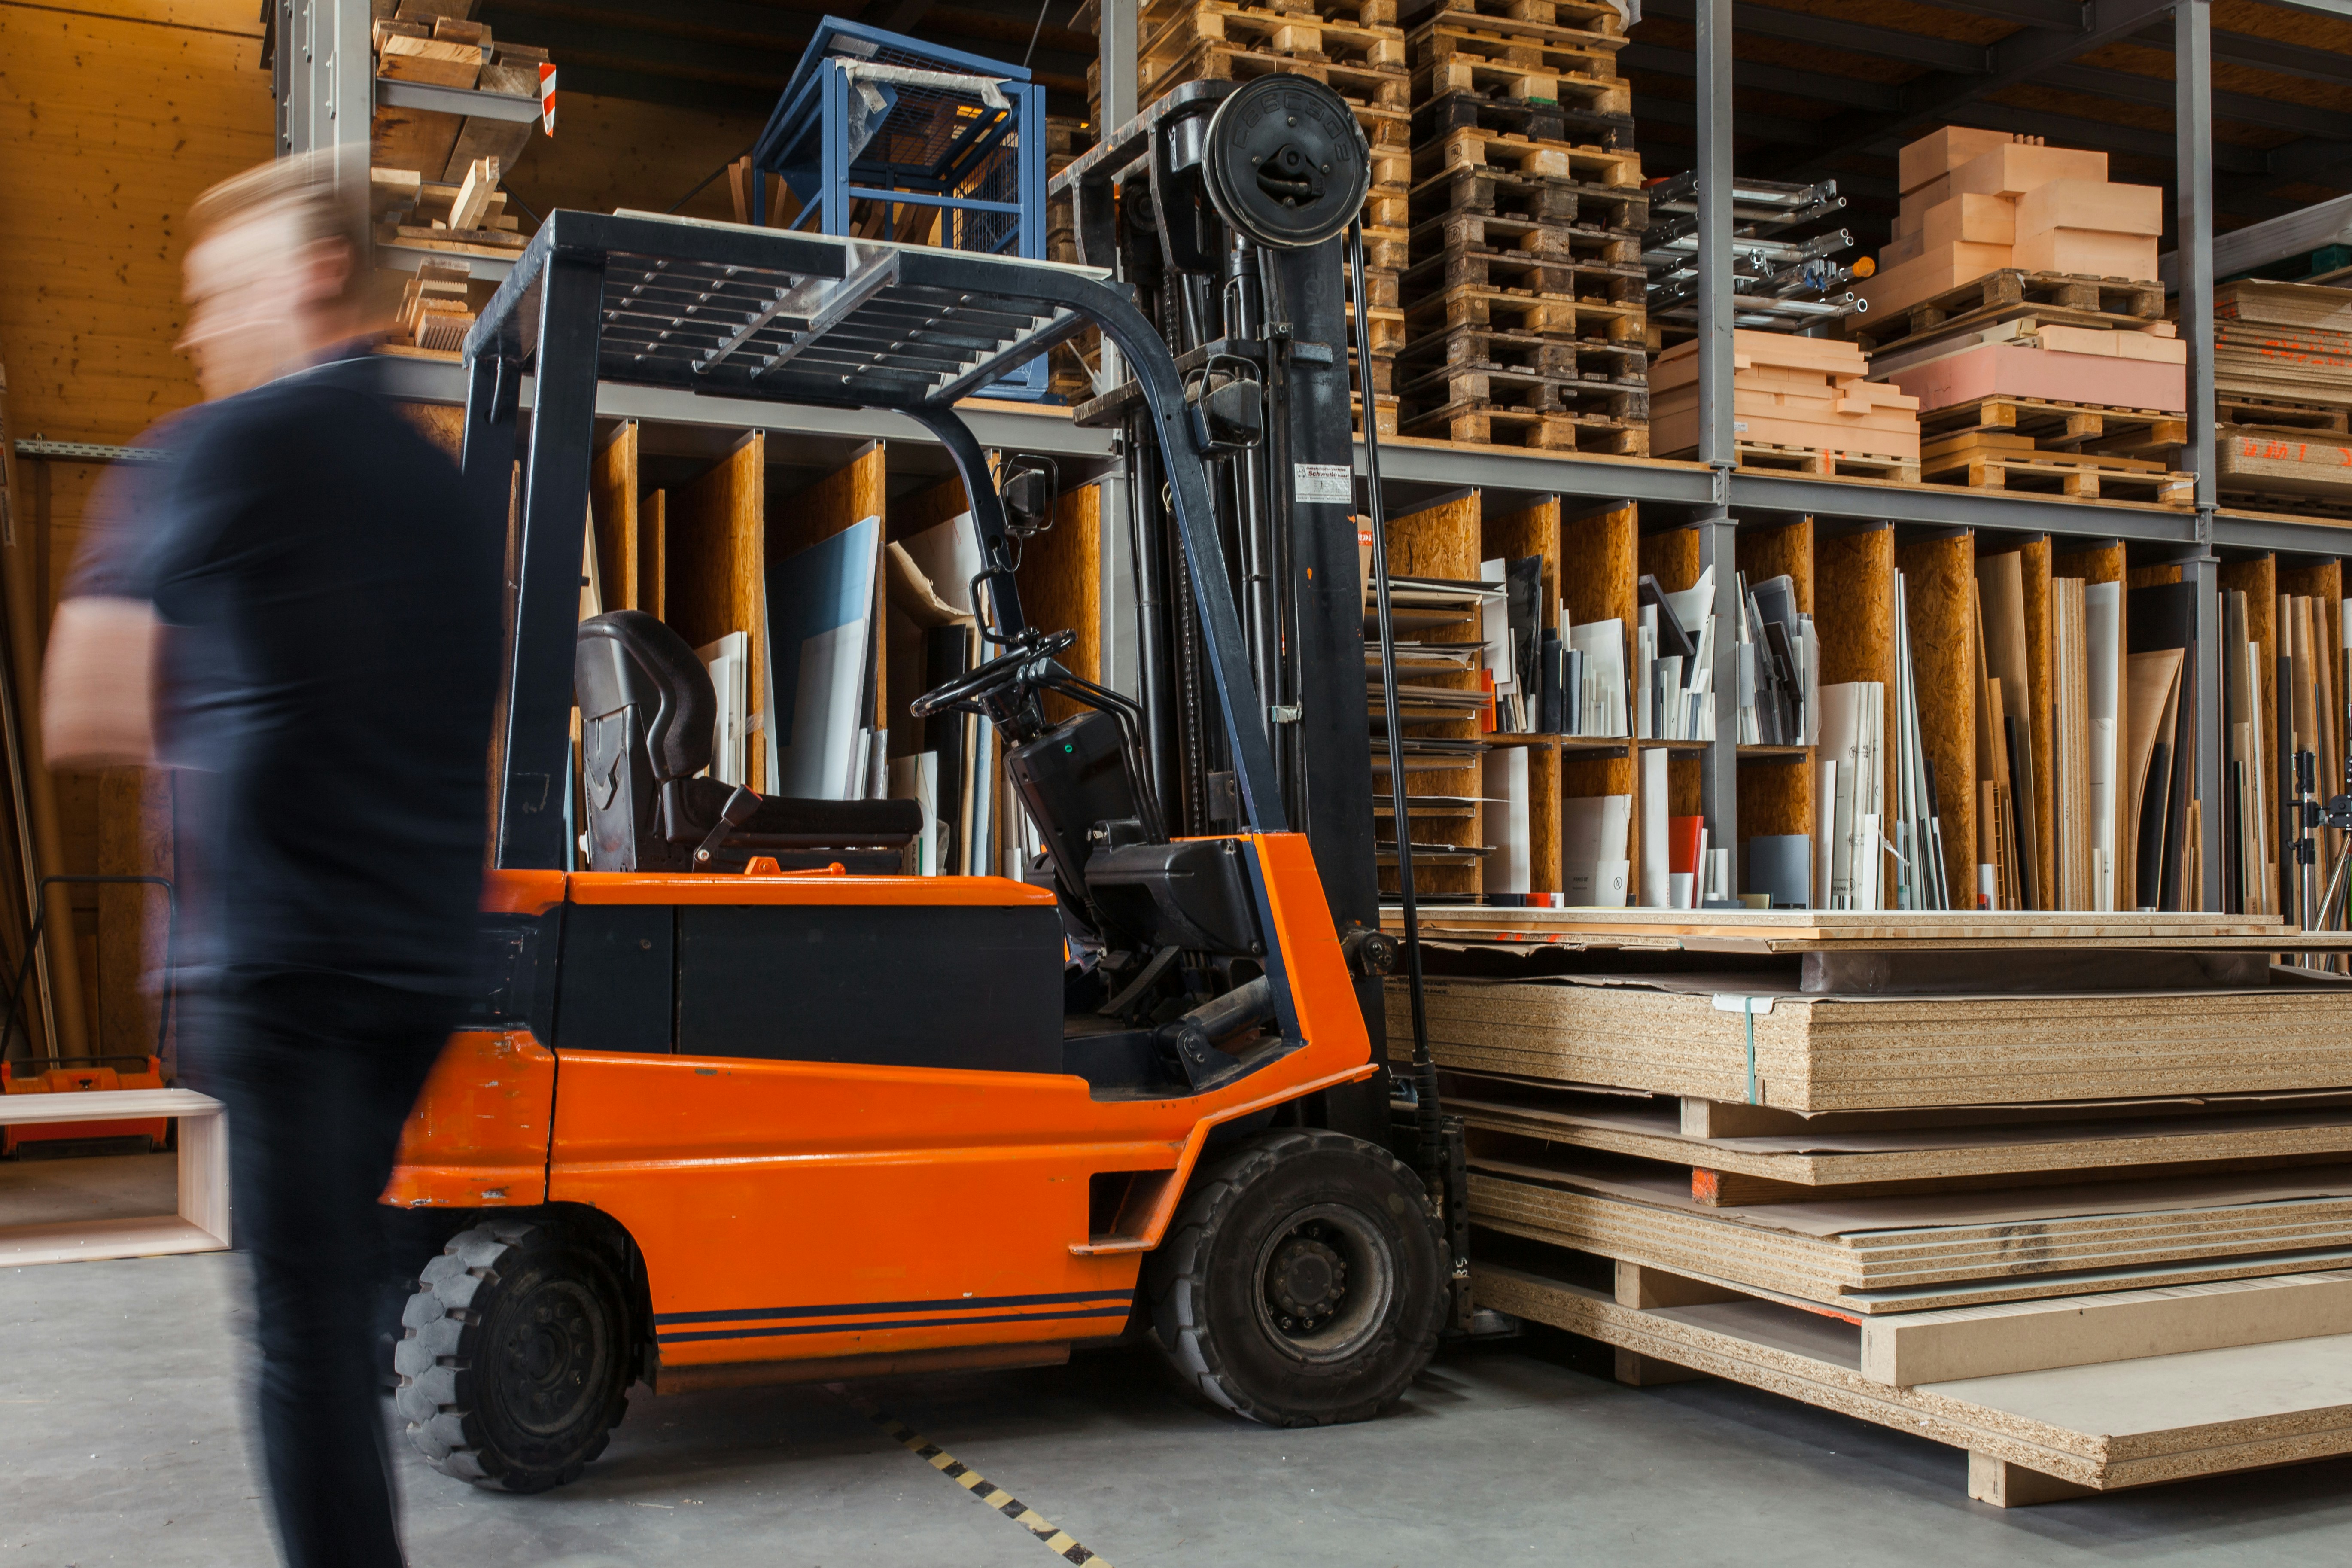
[(450, 224), (2019, 303), (2071, 1192), (2282, 390), (1806, 405), (1524, 303), (1354, 48)]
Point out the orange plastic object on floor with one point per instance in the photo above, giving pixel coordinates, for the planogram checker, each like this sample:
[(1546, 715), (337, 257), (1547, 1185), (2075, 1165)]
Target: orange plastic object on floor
[(82, 1075)]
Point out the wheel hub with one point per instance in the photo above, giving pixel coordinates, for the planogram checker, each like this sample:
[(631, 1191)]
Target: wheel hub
[(548, 1358), (1305, 1281)]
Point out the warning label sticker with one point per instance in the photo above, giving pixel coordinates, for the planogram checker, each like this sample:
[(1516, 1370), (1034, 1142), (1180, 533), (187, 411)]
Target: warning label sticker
[(1332, 484)]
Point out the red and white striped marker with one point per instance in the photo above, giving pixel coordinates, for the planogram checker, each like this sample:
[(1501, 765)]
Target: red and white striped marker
[(547, 97)]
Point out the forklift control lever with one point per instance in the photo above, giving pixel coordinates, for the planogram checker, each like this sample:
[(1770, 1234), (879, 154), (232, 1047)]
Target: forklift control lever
[(740, 807), (997, 675)]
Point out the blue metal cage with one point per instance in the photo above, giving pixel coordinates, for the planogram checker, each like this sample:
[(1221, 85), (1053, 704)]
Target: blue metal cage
[(886, 137)]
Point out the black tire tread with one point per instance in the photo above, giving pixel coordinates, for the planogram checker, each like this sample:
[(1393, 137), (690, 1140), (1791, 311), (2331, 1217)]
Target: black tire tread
[(438, 1349), (1176, 1278)]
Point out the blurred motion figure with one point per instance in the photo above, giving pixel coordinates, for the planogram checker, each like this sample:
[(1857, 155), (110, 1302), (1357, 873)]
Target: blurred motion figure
[(301, 608)]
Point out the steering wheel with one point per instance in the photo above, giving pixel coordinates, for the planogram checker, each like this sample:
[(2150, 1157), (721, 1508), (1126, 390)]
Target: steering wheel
[(986, 680)]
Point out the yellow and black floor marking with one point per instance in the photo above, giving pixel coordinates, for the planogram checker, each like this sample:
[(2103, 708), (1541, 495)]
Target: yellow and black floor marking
[(1057, 1540)]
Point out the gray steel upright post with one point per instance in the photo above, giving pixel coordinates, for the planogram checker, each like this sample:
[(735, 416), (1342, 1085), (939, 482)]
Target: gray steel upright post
[(1115, 45), (2192, 71), (1717, 440)]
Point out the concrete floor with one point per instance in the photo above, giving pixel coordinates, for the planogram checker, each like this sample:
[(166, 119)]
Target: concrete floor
[(121, 1441)]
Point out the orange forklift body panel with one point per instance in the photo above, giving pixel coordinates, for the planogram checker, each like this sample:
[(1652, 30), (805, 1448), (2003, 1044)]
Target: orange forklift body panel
[(807, 1210)]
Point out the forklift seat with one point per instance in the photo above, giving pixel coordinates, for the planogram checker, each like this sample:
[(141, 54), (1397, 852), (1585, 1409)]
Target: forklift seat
[(646, 710)]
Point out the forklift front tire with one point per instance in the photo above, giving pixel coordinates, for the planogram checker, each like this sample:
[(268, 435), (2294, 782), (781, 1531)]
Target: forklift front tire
[(514, 1365), (1301, 1283)]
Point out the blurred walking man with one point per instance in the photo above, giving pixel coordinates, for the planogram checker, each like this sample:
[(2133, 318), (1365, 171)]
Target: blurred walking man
[(302, 609)]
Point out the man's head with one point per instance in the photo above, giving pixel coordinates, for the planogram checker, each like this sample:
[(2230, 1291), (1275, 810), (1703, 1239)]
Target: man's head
[(275, 274)]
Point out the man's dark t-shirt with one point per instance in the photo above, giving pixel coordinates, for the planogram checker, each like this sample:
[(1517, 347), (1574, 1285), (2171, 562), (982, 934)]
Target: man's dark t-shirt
[(329, 594)]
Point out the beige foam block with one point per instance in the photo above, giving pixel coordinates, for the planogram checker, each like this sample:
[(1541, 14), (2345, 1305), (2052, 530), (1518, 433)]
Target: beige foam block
[(1946, 267), (2086, 252), (2013, 170), (1941, 151), (1970, 219), (2146, 346), (1902, 247), (1907, 219), (2090, 204)]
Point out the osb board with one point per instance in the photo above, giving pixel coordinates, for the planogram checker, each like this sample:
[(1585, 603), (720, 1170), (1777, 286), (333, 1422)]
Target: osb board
[(1682, 786), (1853, 578), (613, 504), (1980, 1155), (1439, 540), (1543, 819), (1907, 1254), (2151, 576), (113, 124), (1787, 551), (1937, 576), (1532, 530), (843, 498), (653, 559), (2100, 564), (1060, 581), (442, 424), (1596, 576), (1671, 557), (717, 564), (2106, 1426), (1776, 797), (1856, 1055), (135, 839), (925, 509)]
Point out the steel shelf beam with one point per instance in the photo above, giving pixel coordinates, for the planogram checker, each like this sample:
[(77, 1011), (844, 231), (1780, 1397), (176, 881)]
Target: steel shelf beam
[(465, 100)]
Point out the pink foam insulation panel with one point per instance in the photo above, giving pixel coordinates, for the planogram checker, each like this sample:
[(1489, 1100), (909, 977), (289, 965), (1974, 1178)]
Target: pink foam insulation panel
[(2006, 369)]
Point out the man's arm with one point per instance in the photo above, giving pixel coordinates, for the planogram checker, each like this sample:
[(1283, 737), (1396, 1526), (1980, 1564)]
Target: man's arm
[(98, 684)]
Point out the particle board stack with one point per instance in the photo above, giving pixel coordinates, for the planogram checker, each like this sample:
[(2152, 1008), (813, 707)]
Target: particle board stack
[(1984, 1186), (1524, 313), (2283, 392), (2018, 303), (1800, 403), (1354, 46)]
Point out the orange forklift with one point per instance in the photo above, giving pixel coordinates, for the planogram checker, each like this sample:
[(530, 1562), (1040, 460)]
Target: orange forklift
[(743, 1102)]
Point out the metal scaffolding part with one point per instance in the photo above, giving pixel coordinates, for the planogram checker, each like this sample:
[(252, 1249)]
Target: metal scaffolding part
[(2193, 115)]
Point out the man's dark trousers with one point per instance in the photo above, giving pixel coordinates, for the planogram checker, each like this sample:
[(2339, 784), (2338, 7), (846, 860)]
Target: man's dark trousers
[(319, 1072)]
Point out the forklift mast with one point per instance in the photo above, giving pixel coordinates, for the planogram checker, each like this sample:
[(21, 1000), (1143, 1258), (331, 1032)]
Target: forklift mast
[(1225, 209)]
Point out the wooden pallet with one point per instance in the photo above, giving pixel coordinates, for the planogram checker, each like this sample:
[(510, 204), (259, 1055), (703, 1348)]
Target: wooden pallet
[(1389, 203), (1388, 328), (1295, 34), (1473, 189), (1541, 120), (1825, 463), (1471, 305), (1509, 267), (2063, 427), (1619, 365), (1595, 15), (2008, 293), (1992, 460), (1557, 63), (1536, 235), (1518, 387), (2274, 413), (1534, 429), (1474, 147), (1382, 88)]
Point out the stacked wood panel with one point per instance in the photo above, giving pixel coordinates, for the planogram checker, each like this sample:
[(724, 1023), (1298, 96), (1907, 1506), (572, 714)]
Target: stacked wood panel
[(1905, 1167), (2283, 392), (1524, 314)]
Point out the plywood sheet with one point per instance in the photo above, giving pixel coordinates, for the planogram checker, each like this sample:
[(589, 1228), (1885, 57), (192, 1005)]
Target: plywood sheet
[(1812, 1055), (613, 506), (1060, 581), (1937, 573), (717, 564)]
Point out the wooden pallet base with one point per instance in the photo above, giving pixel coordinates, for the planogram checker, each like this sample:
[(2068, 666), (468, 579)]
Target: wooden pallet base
[(1437, 111), (1534, 429), (2063, 427), (1439, 190), (1262, 29), (1822, 463), (2127, 299), (1622, 364), (1496, 386), (1469, 305), (1593, 16), (1988, 460), (1489, 267), (2031, 1437), (2271, 414)]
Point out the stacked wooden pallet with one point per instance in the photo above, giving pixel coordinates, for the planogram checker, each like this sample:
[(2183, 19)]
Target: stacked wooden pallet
[(2018, 303), (2084, 1212), (1805, 404), (1352, 47), (2283, 392), (1524, 314)]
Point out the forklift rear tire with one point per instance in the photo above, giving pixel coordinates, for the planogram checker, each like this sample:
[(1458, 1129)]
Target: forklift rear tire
[(1301, 1283), (514, 1367)]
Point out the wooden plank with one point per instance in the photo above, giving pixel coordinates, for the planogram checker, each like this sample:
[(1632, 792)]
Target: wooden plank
[(653, 554), (1912, 1348), (2004, 1485), (717, 564), (613, 504), (1937, 576), (85, 1241)]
